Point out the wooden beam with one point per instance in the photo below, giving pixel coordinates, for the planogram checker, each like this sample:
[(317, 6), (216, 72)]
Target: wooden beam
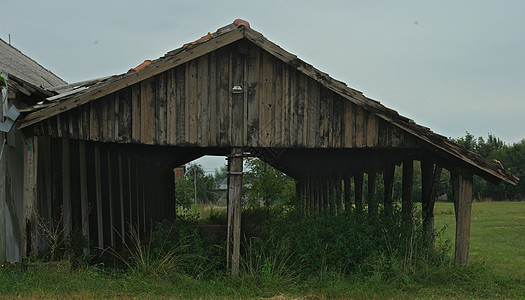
[(463, 198), (430, 180), (406, 193), (235, 161), (29, 217)]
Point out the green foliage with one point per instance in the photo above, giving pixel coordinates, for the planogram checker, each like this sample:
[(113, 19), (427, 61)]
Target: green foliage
[(496, 268), (345, 244), (206, 186), (266, 185), (511, 157), (184, 191)]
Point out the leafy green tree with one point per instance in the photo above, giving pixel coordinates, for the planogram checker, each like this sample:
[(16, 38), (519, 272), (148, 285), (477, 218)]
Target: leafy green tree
[(265, 184), (206, 184), (184, 191)]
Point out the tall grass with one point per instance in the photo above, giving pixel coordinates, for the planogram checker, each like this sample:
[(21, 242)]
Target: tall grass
[(286, 256)]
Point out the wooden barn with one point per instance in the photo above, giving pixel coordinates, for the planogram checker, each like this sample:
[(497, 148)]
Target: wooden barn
[(105, 150), (24, 83)]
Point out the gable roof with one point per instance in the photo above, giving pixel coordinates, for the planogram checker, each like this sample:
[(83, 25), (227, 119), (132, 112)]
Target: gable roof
[(16, 63), (226, 35)]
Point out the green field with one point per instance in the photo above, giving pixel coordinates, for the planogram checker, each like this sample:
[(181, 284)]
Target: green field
[(497, 270), (497, 234)]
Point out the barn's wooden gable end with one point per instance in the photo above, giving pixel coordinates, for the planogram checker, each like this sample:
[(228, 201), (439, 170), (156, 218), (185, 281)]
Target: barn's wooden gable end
[(195, 104)]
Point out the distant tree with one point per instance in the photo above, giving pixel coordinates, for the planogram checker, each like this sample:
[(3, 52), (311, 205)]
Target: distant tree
[(183, 191), (267, 185), (206, 184)]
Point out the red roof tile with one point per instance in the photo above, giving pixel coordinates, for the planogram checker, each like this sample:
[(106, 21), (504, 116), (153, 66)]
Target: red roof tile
[(146, 63)]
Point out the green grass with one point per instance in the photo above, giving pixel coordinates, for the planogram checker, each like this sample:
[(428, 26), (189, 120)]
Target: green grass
[(497, 266), (497, 234)]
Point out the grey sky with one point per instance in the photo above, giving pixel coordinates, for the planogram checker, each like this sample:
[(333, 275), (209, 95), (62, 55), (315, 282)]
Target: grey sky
[(453, 66)]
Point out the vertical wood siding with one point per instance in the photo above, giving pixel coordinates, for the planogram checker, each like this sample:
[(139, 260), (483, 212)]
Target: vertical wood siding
[(193, 104)]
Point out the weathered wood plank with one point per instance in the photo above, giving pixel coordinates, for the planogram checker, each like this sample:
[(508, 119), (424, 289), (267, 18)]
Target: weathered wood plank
[(237, 109), (136, 112), (116, 117), (287, 110), (181, 103), (171, 107), (312, 114), (277, 95), (125, 117), (147, 114), (223, 95), (360, 137), (372, 130), (212, 99), (338, 123), (161, 122), (349, 121), (203, 102), (298, 108), (253, 82), (266, 108)]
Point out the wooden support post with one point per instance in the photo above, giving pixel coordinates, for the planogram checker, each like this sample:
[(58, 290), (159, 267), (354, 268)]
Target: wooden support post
[(348, 193), (331, 193), (358, 184), (84, 206), (388, 178), (235, 161), (339, 195), (317, 196), (121, 194), (66, 188), (98, 187), (372, 188), (406, 193), (463, 199), (111, 201), (29, 214), (430, 179)]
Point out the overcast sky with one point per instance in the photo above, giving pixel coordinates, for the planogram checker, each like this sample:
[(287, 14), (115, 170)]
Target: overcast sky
[(453, 66)]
